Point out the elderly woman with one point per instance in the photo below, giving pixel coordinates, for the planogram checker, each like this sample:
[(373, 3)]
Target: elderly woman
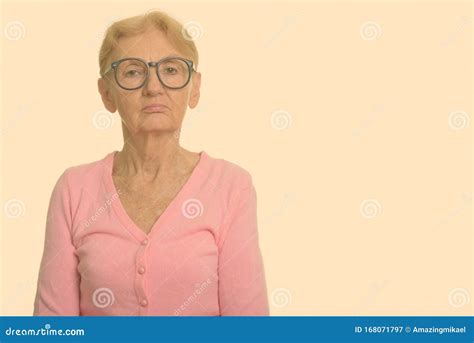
[(153, 229)]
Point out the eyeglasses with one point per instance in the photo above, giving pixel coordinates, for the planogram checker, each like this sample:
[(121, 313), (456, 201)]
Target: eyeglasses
[(132, 72)]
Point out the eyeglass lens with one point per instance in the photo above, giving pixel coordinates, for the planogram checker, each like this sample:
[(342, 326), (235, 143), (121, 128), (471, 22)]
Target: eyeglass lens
[(132, 73)]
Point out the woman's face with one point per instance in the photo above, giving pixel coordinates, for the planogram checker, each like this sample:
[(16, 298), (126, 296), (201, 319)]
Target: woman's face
[(150, 46)]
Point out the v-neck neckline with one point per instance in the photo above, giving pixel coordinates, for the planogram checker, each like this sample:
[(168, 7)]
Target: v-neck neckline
[(167, 214)]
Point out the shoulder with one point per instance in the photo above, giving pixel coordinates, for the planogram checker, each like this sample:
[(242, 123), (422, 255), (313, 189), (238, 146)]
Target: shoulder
[(84, 173), (229, 173)]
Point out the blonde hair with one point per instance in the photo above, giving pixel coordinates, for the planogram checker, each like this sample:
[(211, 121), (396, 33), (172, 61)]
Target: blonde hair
[(177, 35)]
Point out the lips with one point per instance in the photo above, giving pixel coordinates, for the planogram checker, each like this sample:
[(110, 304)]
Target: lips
[(154, 108)]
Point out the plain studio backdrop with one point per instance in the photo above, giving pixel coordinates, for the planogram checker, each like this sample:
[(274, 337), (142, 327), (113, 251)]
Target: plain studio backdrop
[(354, 119)]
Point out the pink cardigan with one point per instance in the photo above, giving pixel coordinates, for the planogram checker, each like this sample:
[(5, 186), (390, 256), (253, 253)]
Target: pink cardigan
[(201, 258)]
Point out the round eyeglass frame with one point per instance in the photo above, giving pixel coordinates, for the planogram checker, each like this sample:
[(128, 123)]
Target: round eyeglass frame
[(114, 65)]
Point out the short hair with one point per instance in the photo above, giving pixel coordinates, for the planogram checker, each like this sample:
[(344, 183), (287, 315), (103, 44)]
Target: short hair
[(175, 32)]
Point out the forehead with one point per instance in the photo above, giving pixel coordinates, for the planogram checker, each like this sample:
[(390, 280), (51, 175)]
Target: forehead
[(150, 45)]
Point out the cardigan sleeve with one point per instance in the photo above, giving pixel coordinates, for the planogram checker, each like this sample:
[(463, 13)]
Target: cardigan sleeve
[(57, 292), (241, 275)]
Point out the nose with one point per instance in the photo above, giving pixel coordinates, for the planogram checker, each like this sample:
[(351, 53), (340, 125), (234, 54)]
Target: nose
[(153, 85)]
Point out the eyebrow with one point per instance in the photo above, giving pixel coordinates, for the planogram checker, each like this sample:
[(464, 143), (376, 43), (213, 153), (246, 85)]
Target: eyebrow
[(168, 56)]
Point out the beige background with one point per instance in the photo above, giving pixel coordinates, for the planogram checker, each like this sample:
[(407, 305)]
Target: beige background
[(354, 119)]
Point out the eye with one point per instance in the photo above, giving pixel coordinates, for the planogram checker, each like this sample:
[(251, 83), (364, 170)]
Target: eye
[(170, 70), (131, 73)]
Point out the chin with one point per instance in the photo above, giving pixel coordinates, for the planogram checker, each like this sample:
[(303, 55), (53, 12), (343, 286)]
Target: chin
[(157, 121), (158, 117), (156, 125)]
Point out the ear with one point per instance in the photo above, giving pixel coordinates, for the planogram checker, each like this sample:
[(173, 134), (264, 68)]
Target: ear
[(104, 90), (196, 90)]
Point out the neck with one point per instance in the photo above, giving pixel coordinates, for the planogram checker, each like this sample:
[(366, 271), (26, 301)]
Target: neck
[(149, 157)]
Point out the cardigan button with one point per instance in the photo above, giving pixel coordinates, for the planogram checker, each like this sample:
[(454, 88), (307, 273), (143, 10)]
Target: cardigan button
[(141, 270), (145, 242), (144, 302)]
